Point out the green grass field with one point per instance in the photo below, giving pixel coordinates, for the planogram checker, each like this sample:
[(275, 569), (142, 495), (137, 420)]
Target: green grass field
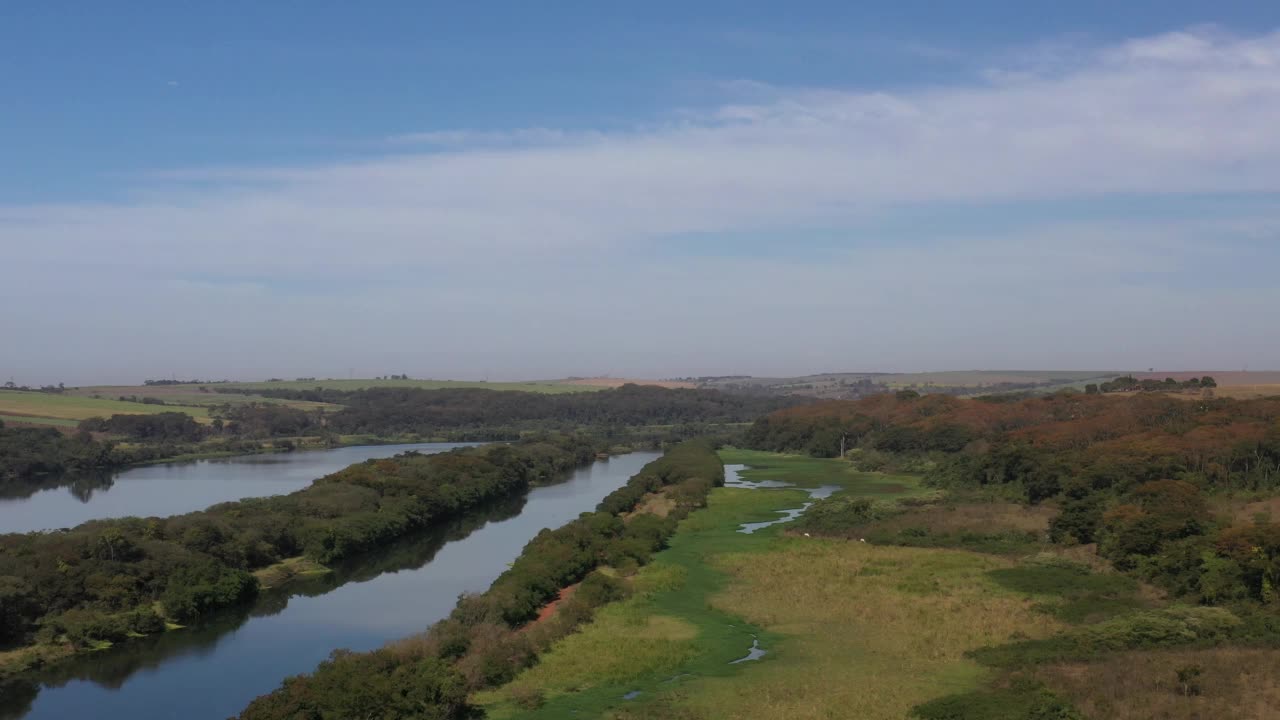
[(810, 472), (59, 422), (68, 406), (667, 628), (182, 395), (851, 630)]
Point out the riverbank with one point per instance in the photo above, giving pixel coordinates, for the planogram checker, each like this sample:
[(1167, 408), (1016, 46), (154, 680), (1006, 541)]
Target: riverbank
[(491, 636), (203, 561), (305, 443)]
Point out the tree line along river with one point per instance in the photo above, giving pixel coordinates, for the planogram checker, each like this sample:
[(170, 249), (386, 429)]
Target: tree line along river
[(214, 668)]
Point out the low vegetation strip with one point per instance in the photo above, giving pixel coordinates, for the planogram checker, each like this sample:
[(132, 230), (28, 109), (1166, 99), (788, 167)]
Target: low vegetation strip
[(107, 580), (481, 644)]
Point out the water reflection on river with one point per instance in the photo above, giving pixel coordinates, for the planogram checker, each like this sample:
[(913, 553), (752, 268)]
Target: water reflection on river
[(176, 488), (214, 670)]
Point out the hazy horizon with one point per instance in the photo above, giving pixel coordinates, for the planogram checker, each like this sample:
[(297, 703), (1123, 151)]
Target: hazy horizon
[(125, 381), (639, 193)]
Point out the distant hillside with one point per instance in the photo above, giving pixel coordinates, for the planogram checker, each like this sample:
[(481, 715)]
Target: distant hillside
[(953, 382), (1231, 383)]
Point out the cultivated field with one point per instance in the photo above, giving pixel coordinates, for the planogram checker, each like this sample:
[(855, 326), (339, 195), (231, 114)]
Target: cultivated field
[(542, 386), (40, 407), (608, 382), (189, 395)]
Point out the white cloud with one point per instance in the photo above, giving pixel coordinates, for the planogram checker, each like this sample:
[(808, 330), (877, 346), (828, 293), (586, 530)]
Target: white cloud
[(499, 226)]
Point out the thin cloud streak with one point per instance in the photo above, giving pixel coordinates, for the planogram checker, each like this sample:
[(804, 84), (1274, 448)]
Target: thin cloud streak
[(511, 233)]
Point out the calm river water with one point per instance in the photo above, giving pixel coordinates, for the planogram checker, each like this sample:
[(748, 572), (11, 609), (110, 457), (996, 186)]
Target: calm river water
[(176, 488), (215, 669)]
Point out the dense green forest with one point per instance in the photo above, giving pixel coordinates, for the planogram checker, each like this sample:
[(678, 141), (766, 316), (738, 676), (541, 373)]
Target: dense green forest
[(106, 579), (1129, 383), (1140, 476), (487, 639), (392, 411), (630, 414), (28, 452)]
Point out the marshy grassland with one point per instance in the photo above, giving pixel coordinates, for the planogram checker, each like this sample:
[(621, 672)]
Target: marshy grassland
[(808, 472), (666, 628), (954, 609), (851, 630)]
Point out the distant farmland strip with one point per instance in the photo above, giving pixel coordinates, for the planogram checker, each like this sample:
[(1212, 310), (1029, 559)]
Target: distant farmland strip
[(39, 420), (72, 407), (549, 386)]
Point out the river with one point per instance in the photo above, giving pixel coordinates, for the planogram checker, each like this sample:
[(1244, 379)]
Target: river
[(176, 488), (213, 670)]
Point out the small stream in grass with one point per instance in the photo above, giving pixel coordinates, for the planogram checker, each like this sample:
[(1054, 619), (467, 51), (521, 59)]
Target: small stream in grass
[(734, 479)]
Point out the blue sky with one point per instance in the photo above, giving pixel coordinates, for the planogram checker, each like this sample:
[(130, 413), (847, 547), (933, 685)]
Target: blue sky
[(263, 188), (88, 93)]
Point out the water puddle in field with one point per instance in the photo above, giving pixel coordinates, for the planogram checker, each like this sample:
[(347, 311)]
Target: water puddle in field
[(632, 695), (755, 653), (734, 479)]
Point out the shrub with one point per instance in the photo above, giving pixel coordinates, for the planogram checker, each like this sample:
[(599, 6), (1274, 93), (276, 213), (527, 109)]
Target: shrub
[(1024, 700), (1168, 627)]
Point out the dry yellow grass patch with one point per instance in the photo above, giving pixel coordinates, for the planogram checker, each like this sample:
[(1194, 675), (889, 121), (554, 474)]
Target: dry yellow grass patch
[(657, 503), (1237, 683), (870, 631), (1244, 392)]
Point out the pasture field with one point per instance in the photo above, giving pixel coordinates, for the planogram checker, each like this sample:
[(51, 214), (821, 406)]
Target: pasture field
[(73, 407), (189, 395), (851, 630), (27, 419)]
